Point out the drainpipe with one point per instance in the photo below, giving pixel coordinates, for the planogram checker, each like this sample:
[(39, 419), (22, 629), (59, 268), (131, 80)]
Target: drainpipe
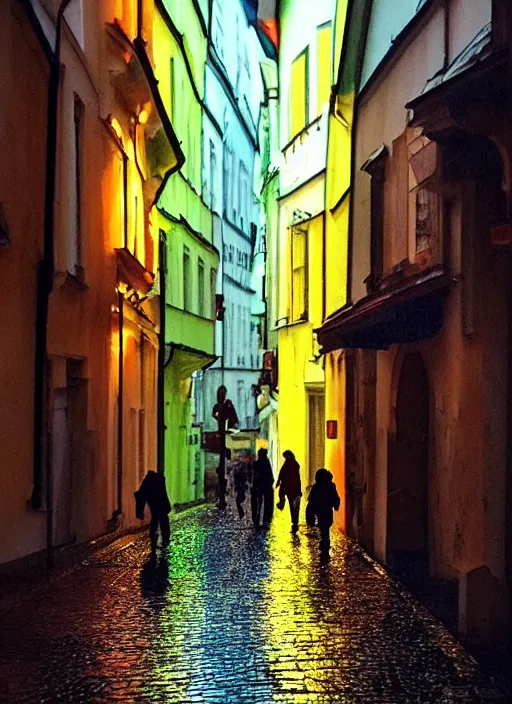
[(44, 287), (162, 247), (119, 510)]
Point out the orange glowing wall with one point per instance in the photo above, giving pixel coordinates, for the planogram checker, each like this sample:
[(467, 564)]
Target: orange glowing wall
[(23, 95)]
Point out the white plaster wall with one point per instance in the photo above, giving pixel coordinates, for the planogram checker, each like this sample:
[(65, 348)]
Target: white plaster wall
[(386, 23), (467, 17), (299, 22)]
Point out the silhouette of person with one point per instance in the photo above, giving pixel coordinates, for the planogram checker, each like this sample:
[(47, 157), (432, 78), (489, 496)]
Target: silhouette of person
[(290, 487), (323, 498), (240, 477), (262, 490), (153, 492)]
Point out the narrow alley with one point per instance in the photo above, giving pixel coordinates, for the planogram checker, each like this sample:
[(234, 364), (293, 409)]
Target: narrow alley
[(230, 616)]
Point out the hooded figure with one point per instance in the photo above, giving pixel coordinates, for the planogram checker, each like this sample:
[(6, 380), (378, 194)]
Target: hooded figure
[(154, 493), (323, 498), (262, 491), (290, 487)]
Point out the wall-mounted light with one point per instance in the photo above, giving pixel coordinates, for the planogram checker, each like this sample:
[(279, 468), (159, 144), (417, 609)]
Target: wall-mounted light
[(121, 288), (114, 309)]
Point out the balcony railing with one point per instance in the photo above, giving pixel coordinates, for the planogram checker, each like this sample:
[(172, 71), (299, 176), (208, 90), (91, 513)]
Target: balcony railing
[(305, 155)]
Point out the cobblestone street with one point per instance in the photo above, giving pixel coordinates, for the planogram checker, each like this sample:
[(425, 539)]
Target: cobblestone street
[(230, 616)]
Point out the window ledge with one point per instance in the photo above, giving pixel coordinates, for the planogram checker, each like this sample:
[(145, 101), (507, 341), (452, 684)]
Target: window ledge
[(290, 324)]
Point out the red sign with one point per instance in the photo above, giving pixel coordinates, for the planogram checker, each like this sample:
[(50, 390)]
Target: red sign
[(332, 429), (501, 234)]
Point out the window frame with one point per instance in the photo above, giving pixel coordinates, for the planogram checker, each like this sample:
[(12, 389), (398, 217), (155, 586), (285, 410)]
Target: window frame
[(187, 293), (303, 229), (293, 132), (201, 307), (319, 29)]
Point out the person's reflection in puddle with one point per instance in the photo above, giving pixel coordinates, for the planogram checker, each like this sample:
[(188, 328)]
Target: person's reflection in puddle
[(154, 577)]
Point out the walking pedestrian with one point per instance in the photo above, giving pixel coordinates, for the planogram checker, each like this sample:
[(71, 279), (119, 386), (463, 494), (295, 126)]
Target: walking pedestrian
[(290, 487), (323, 498), (262, 490), (153, 492), (240, 476)]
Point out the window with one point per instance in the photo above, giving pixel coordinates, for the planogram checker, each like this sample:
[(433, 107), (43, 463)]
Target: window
[(186, 279), (228, 178), (299, 252), (299, 88), (213, 290), (136, 247), (218, 31), (375, 166), (172, 82), (324, 63), (235, 185), (200, 287), (213, 175), (423, 199), (244, 196), (78, 115)]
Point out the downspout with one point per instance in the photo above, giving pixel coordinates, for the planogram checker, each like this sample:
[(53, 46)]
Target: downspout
[(44, 287), (162, 255), (119, 510)]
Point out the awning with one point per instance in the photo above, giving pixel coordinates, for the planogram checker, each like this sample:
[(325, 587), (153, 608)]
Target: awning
[(187, 360), (407, 313)]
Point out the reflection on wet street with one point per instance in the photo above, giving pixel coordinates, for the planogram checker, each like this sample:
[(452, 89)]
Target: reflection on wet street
[(228, 616)]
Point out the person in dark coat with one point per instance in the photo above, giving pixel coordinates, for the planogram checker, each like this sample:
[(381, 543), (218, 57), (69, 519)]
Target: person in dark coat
[(153, 492), (290, 487), (240, 479), (262, 489), (323, 498)]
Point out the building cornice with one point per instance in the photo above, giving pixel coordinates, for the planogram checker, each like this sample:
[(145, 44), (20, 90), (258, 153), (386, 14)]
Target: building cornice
[(188, 227)]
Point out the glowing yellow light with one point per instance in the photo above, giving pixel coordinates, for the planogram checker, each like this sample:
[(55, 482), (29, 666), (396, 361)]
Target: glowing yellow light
[(143, 116), (114, 123)]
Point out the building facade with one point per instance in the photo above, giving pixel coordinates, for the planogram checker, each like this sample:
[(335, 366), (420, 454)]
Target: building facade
[(109, 148), (425, 327), (305, 77), (189, 274), (233, 96), (25, 65)]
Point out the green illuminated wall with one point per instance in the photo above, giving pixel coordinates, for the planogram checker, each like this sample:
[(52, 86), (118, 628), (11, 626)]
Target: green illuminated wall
[(192, 262)]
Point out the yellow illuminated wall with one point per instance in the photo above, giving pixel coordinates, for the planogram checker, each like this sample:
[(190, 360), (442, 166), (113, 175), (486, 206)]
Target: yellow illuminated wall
[(337, 208)]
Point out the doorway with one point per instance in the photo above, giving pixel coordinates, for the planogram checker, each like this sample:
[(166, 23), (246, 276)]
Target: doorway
[(62, 476), (316, 422), (407, 500)]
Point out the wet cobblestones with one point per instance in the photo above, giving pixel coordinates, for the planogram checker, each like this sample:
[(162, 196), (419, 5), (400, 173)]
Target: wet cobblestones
[(229, 616)]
